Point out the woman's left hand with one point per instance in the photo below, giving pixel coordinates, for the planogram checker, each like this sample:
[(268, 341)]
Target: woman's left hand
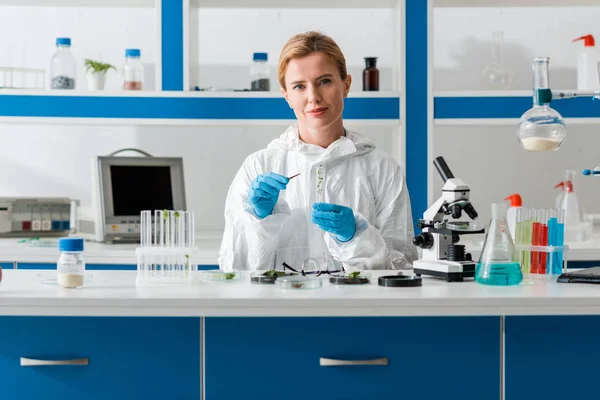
[(335, 219)]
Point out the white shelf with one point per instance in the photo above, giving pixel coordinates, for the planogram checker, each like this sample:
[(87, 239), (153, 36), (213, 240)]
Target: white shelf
[(294, 4), (183, 122), (506, 121), (515, 3), (483, 93), (82, 3), (189, 94)]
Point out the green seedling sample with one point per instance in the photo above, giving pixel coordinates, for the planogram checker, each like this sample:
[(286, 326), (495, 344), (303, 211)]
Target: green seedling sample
[(274, 273), (229, 276), (354, 275)]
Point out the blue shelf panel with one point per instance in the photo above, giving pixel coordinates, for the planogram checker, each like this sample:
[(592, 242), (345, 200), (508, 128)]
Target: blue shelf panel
[(172, 44), (482, 107), (222, 108), (417, 104)]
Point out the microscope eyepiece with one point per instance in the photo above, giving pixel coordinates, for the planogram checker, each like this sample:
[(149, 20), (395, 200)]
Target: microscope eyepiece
[(470, 210), (442, 168)]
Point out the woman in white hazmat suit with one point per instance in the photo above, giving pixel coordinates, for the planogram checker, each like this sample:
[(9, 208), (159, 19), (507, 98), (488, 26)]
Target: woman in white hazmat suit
[(350, 200)]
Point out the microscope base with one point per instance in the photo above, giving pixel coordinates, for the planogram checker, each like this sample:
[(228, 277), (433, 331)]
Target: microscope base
[(451, 271)]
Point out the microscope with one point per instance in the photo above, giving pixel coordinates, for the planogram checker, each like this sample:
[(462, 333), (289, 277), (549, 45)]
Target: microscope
[(442, 256)]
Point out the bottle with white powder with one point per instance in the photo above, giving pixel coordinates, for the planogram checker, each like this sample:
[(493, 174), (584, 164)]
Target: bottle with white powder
[(70, 266)]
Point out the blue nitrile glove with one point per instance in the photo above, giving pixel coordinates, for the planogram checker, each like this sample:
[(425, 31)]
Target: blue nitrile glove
[(264, 192), (335, 219)]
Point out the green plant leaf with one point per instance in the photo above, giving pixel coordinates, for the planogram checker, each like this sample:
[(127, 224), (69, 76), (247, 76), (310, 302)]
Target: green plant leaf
[(165, 214), (229, 276), (97, 66), (354, 275)]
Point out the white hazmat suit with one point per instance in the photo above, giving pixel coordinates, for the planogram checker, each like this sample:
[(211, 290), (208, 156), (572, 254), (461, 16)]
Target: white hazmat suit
[(356, 175)]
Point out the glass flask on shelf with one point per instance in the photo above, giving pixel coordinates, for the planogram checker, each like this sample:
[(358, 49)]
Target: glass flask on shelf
[(541, 128), (498, 263), (497, 75)]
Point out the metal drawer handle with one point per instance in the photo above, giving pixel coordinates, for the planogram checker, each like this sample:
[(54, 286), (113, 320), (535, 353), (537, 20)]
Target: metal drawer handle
[(332, 362), (32, 362)]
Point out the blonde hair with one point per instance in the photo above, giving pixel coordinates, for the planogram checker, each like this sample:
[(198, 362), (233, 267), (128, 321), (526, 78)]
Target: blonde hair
[(304, 44)]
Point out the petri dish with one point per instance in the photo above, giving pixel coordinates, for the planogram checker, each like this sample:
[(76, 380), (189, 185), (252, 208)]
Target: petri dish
[(220, 276), (351, 278), (399, 281), (298, 282), (267, 277)]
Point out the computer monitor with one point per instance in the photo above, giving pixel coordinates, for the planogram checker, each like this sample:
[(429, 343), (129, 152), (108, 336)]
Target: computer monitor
[(125, 186)]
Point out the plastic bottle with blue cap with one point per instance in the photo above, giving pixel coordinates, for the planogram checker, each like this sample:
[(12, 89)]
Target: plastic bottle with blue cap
[(62, 66), (133, 70), (260, 73), (70, 266)]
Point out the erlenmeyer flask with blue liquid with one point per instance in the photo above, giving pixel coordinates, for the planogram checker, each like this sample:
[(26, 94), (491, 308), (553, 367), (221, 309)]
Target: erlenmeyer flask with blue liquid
[(498, 264)]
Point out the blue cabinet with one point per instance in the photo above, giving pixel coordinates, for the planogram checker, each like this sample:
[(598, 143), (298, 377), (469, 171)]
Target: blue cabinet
[(129, 358), (542, 350), (280, 358)]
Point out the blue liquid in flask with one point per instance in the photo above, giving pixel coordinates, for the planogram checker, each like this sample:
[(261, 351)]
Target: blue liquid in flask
[(499, 273)]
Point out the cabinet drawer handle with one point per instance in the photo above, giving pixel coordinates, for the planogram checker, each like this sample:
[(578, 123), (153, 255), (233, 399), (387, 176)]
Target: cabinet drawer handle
[(332, 362), (32, 362)]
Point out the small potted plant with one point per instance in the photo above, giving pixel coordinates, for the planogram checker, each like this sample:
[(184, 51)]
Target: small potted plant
[(96, 74)]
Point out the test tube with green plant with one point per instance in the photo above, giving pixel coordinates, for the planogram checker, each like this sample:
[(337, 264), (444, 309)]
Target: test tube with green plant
[(321, 196)]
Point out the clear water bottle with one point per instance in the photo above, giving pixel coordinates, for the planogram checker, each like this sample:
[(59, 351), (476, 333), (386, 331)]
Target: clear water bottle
[(62, 67), (260, 73), (133, 71), (70, 266)]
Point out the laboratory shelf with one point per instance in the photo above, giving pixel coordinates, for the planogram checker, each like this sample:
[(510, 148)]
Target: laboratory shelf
[(514, 3), (212, 108), (294, 4), (505, 107), (81, 3)]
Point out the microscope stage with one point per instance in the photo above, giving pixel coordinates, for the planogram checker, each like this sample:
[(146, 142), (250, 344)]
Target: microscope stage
[(451, 271)]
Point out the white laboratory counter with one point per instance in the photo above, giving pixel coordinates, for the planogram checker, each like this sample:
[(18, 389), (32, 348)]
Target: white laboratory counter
[(114, 293)]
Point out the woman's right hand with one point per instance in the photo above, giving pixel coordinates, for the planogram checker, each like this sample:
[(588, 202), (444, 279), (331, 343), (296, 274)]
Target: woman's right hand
[(264, 193)]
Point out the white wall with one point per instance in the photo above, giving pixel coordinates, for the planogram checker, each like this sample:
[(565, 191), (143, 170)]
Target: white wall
[(489, 158), (491, 161), (463, 43), (53, 160), (221, 56), (29, 35)]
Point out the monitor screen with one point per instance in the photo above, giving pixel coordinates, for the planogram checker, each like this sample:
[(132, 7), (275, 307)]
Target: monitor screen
[(138, 188)]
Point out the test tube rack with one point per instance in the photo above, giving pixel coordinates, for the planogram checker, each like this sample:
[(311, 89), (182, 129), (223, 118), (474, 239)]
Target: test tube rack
[(539, 241), (166, 253)]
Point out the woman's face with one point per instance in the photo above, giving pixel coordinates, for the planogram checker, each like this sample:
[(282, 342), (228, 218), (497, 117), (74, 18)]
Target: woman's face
[(314, 89)]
